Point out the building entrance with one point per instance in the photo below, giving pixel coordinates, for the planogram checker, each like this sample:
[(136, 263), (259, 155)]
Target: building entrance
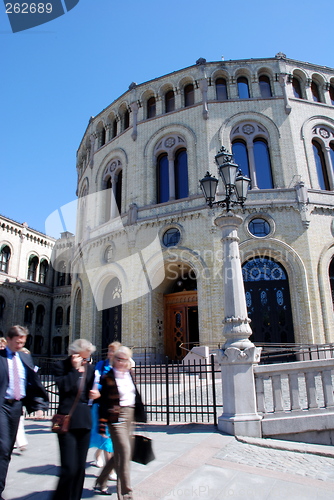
[(181, 323)]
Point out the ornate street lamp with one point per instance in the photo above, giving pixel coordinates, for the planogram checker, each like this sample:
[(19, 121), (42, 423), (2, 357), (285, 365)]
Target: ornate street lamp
[(238, 354), (235, 183)]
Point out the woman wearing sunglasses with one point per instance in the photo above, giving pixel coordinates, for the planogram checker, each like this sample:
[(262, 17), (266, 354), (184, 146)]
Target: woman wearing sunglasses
[(120, 406)]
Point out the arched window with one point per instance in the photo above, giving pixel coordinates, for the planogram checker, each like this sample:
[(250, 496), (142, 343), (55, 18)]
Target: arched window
[(221, 89), (118, 193), (151, 107), (181, 174), (112, 313), (101, 137), (169, 101), (262, 164), (40, 313), (320, 166), (32, 268), (28, 313), (297, 91), (331, 94), (265, 87), (108, 199), (56, 345), (61, 275), (4, 259), (77, 315), (189, 95), (38, 344), (243, 88), (2, 306), (251, 152), (315, 91), (68, 315), (126, 119), (331, 152), (43, 271), (59, 316), (240, 155), (114, 129), (331, 279), (162, 178)]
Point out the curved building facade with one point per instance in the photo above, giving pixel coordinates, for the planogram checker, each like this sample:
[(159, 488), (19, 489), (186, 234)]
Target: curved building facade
[(147, 261)]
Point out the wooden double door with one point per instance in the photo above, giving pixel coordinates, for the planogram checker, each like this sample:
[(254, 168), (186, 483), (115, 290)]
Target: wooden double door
[(181, 323)]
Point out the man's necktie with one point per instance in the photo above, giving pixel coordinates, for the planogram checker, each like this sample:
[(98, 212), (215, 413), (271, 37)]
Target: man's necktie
[(17, 391)]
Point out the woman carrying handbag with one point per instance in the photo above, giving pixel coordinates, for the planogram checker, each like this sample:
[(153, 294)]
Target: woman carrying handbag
[(120, 406), (74, 377)]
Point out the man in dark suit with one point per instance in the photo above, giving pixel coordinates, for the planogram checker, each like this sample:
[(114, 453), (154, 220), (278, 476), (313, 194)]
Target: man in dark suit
[(19, 386)]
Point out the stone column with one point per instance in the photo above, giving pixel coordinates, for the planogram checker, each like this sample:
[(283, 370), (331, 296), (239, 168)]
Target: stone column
[(239, 354)]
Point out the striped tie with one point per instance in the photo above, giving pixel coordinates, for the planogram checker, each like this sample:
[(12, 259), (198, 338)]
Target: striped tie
[(17, 391)]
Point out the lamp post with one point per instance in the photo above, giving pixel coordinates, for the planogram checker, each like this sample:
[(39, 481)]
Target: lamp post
[(238, 355), (236, 327)]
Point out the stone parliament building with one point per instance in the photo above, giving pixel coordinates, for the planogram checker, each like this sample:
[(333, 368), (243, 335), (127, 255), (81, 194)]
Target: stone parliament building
[(144, 266)]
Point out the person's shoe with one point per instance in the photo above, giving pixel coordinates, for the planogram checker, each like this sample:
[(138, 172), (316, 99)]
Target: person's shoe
[(113, 476), (98, 462), (97, 487)]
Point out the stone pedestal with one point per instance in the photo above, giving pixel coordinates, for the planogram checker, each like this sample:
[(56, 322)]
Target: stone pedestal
[(240, 417)]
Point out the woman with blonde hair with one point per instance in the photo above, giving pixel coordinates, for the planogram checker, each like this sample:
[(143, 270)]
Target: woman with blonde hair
[(120, 406)]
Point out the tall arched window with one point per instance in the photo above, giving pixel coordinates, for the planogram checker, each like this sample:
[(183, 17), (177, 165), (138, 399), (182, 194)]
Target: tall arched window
[(114, 129), (251, 152), (240, 155), (171, 169), (265, 87), (315, 91), (112, 313), (189, 95), (331, 94), (77, 315), (151, 107), (32, 268), (126, 119), (4, 259), (221, 89), (169, 101), (2, 306), (40, 313), (59, 316), (56, 345), (61, 275), (320, 166), (331, 279), (162, 178), (43, 271), (68, 315), (297, 91), (28, 313), (243, 87), (118, 193), (262, 164), (331, 152), (181, 174)]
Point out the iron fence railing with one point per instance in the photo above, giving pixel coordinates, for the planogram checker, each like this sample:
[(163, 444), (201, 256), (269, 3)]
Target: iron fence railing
[(172, 392)]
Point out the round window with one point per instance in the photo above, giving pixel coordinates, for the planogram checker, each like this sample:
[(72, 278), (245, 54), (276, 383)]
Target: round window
[(259, 227), (171, 237)]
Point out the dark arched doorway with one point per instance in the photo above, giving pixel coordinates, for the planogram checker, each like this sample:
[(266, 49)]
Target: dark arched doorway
[(112, 313), (268, 301), (181, 317)]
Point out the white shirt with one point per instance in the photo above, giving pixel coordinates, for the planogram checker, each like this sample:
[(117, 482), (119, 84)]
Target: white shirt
[(22, 375), (126, 388)]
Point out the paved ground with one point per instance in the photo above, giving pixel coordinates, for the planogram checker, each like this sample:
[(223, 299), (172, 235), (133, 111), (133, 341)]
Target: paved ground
[(193, 461)]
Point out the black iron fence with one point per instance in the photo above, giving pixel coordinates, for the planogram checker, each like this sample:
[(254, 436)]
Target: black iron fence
[(172, 392)]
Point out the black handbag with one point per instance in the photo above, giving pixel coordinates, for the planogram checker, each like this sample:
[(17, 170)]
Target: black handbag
[(142, 449)]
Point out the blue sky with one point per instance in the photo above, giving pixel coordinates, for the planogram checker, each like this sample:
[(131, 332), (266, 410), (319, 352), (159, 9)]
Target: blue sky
[(55, 76)]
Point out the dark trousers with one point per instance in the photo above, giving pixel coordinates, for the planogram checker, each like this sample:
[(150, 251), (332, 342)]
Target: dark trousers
[(73, 453), (10, 413), (120, 433)]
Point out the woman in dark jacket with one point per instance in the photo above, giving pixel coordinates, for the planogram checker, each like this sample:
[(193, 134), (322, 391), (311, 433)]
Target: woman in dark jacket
[(120, 406), (71, 374)]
